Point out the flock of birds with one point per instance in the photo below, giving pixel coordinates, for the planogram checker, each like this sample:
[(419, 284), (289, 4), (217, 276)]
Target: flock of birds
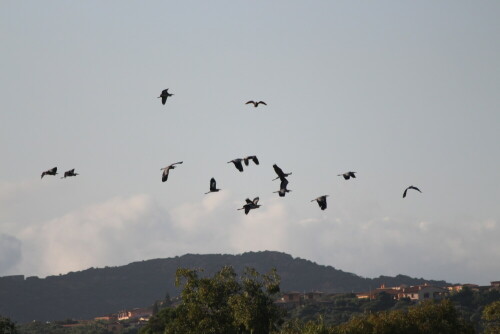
[(238, 163)]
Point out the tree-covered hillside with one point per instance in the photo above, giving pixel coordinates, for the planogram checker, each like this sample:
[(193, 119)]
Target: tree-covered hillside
[(94, 292)]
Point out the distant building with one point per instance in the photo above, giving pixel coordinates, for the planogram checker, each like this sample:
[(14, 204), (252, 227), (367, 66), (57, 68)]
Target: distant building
[(291, 297), (110, 317), (423, 292), (392, 291), (314, 295), (415, 293), (495, 284), (135, 314)]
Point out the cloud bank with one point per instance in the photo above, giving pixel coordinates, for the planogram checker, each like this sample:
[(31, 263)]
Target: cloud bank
[(125, 229)]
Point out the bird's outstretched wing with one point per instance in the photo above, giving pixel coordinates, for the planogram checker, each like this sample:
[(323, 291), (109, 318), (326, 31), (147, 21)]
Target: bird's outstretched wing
[(255, 200), (262, 102), (415, 188), (238, 165), (248, 201), (255, 160), (351, 174), (252, 102), (404, 194), (278, 171), (247, 209)]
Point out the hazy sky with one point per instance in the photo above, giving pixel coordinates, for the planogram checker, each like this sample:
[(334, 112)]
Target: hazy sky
[(401, 92)]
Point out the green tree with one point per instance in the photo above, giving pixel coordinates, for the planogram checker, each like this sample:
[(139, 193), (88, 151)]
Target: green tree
[(491, 318), (427, 317), (222, 304), (7, 326)]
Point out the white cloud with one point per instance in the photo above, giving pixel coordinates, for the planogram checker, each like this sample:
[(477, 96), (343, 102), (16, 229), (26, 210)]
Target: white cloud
[(122, 230), (10, 252), (115, 232)]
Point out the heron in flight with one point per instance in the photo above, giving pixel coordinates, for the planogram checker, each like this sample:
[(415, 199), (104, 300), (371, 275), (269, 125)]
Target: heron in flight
[(256, 104), (410, 187), (213, 186), (69, 173), (52, 171), (280, 172), (164, 95), (251, 157), (250, 205), (165, 170), (237, 163), (348, 175), (283, 190), (321, 201)]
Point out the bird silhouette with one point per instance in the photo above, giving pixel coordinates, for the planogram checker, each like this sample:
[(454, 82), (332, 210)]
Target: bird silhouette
[(69, 173), (251, 157), (256, 104), (52, 171), (283, 188), (348, 175), (321, 201), (164, 95), (237, 163), (250, 205), (410, 187), (213, 186), (280, 173), (164, 176)]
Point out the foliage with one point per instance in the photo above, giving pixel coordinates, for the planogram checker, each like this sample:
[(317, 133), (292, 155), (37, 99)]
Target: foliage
[(37, 327), (428, 317), (222, 304), (7, 326), (491, 318), (470, 303)]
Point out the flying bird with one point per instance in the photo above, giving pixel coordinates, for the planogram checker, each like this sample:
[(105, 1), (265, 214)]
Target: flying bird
[(256, 104), (410, 187), (69, 173), (321, 201), (164, 176), (237, 163), (280, 173), (251, 157), (52, 171), (213, 186), (348, 175), (283, 190), (164, 95), (250, 205)]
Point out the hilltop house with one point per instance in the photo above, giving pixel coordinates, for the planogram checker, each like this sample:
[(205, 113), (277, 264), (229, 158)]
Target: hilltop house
[(135, 314), (423, 292), (415, 293)]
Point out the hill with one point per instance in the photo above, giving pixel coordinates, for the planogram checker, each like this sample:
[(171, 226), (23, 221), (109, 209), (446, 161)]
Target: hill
[(99, 291)]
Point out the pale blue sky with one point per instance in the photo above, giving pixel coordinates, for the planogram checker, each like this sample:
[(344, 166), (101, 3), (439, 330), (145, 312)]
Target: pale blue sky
[(402, 92)]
